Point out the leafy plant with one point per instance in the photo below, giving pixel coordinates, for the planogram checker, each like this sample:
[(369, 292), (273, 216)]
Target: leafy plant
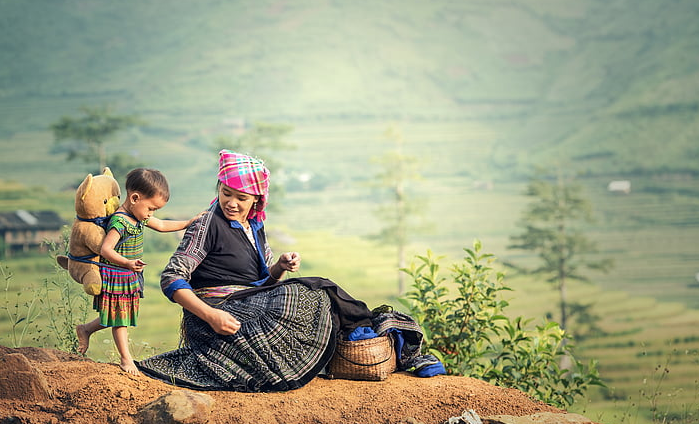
[(471, 335)]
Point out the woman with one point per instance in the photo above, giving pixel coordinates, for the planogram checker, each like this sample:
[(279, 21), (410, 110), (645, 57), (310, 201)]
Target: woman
[(242, 328)]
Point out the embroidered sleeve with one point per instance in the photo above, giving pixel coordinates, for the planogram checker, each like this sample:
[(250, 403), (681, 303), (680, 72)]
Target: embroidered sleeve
[(269, 255), (190, 253)]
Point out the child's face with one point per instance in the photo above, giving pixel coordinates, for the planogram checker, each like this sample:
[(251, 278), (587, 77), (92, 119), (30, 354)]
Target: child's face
[(143, 207)]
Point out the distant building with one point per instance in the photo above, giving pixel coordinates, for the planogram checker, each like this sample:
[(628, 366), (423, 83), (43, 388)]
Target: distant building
[(482, 185), (26, 231), (621, 186)]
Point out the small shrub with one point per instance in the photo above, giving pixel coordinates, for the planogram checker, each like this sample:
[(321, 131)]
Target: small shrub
[(471, 336)]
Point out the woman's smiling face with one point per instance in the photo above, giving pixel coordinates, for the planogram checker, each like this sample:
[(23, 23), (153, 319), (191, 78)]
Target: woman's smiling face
[(235, 204)]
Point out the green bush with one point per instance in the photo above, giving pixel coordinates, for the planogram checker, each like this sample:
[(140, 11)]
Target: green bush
[(471, 335)]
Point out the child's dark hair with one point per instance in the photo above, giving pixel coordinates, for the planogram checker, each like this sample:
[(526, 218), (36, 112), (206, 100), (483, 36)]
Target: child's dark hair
[(148, 182)]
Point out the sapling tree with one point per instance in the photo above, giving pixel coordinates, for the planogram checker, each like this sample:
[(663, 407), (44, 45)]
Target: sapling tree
[(84, 137), (397, 171), (553, 229)]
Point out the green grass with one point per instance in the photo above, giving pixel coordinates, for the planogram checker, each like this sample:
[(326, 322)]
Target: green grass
[(642, 333)]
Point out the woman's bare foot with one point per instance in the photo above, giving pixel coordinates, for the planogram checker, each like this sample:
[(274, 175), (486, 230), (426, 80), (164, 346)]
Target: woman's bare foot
[(83, 338), (129, 366)]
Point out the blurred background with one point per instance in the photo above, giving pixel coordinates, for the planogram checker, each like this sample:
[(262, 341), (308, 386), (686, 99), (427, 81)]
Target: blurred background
[(391, 128)]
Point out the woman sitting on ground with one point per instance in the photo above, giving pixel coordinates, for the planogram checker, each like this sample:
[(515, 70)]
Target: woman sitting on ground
[(242, 328)]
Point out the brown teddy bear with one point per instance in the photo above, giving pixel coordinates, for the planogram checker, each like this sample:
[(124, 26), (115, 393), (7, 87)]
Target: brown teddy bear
[(95, 200)]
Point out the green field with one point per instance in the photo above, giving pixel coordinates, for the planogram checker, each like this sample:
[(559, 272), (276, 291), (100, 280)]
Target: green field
[(641, 333)]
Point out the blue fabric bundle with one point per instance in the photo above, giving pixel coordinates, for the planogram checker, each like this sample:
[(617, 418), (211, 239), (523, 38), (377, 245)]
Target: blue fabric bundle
[(430, 370), (407, 338), (361, 333)]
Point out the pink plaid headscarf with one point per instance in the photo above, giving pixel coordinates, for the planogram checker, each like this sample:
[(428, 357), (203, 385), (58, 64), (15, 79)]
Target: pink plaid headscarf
[(246, 174)]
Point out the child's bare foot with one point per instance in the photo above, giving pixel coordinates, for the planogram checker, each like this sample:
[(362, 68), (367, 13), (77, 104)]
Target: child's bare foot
[(83, 338), (129, 366)]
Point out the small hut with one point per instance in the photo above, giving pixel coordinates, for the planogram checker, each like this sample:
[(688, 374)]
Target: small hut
[(27, 231)]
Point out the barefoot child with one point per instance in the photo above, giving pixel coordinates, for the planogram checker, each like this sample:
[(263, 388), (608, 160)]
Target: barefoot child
[(122, 249)]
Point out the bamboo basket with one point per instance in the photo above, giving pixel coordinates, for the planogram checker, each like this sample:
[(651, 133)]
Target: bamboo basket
[(370, 359)]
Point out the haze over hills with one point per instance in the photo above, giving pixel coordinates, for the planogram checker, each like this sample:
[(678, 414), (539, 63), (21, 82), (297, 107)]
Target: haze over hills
[(611, 85), (484, 90)]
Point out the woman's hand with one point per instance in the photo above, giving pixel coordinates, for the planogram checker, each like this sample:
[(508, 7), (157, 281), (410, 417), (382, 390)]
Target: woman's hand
[(290, 261), (222, 322)]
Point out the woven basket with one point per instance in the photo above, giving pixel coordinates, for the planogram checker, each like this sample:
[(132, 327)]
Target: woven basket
[(370, 359)]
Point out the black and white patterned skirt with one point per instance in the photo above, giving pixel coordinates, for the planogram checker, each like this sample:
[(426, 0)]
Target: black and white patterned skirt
[(286, 337)]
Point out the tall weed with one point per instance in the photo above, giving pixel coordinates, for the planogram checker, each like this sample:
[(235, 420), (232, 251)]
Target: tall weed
[(658, 404), (44, 316), (21, 309), (64, 304)]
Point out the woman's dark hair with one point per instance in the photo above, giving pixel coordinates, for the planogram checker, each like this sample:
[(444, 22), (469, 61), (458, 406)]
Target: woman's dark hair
[(148, 182)]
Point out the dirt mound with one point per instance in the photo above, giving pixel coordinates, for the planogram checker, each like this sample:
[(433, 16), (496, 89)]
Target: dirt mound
[(82, 391)]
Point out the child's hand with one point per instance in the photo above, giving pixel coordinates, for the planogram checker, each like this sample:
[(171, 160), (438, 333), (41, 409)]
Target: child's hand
[(197, 217), (136, 265)]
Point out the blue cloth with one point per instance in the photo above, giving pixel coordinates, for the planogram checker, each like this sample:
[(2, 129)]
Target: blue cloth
[(398, 340), (101, 221), (431, 370), (431, 366), (361, 333)]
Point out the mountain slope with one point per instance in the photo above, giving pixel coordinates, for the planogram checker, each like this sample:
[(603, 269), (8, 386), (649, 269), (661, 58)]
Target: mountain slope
[(581, 82)]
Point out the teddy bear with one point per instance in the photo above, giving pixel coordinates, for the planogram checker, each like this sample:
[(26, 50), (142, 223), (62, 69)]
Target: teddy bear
[(95, 200)]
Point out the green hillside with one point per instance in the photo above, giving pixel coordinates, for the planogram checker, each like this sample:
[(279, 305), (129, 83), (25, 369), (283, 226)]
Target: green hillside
[(611, 85), (481, 90)]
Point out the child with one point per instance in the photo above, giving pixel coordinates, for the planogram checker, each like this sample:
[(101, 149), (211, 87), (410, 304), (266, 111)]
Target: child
[(122, 249)]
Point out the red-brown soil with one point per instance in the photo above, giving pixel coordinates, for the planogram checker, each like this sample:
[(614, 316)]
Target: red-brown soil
[(83, 391)]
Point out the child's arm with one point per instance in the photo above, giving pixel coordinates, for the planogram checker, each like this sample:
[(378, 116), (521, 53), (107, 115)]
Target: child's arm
[(107, 252), (166, 225)]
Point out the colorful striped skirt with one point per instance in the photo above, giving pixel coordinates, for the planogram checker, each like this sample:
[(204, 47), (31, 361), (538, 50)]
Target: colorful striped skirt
[(118, 302)]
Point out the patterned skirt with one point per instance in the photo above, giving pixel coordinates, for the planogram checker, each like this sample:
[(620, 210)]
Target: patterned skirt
[(118, 302), (286, 337)]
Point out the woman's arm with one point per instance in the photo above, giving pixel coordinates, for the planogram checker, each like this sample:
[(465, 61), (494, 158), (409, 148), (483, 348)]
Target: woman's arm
[(190, 253), (222, 322)]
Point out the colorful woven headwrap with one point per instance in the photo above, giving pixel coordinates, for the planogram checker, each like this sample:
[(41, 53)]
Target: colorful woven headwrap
[(246, 174)]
